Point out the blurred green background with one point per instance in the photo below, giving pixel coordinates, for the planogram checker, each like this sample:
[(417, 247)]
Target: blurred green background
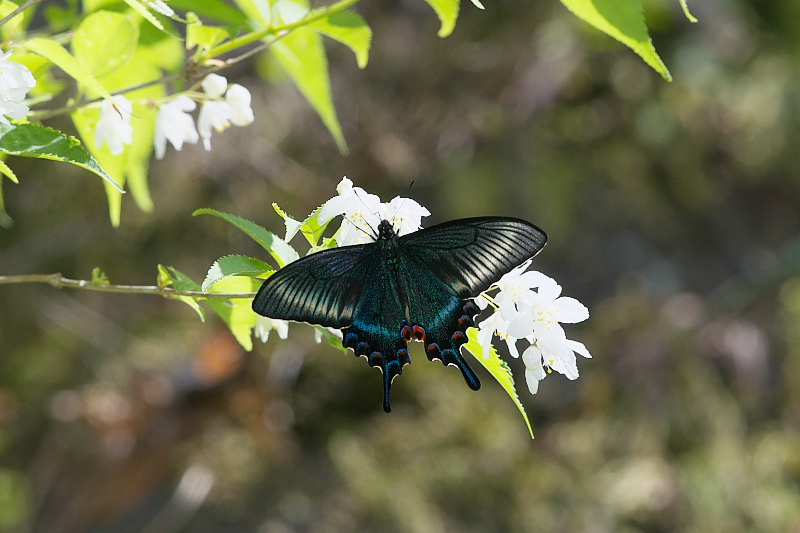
[(673, 212)]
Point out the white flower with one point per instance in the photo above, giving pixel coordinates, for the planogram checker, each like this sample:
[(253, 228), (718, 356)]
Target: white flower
[(175, 124), (363, 212), (214, 85), (541, 312), (114, 126), (265, 325), (360, 210), (405, 214), (214, 115), (495, 325), (15, 82), (534, 371), (217, 114), (159, 6), (522, 313), (239, 98)]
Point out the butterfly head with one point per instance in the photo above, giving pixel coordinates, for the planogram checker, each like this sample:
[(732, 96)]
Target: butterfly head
[(386, 230)]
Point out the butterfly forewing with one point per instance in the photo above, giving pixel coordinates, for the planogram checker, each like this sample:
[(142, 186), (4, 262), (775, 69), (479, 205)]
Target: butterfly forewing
[(323, 288), (469, 255)]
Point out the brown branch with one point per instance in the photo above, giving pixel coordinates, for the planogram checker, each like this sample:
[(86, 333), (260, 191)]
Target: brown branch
[(58, 281)]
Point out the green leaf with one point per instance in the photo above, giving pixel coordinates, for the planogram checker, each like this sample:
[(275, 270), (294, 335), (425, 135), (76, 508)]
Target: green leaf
[(218, 10), (6, 171), (622, 20), (349, 29), (237, 313), (205, 37), (292, 225), (99, 277), (5, 220), (31, 140), (59, 56), (312, 229), (104, 41), (235, 265), (498, 369), (170, 277), (333, 340), (302, 55), (686, 12), (144, 12), (15, 24), (447, 11), (277, 247)]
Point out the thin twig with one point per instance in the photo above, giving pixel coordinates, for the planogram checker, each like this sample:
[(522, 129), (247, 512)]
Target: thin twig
[(58, 281), (19, 10)]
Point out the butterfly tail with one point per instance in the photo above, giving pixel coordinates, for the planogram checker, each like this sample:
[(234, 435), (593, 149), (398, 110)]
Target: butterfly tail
[(390, 359), (445, 346)]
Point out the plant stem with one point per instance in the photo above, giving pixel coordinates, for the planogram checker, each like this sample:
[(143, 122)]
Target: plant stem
[(58, 281), (19, 10), (313, 15)]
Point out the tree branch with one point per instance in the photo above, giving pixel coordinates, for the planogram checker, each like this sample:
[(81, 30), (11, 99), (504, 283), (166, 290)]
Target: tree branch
[(58, 281)]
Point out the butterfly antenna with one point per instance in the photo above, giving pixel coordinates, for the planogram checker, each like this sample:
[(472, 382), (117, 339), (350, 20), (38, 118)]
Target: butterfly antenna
[(399, 207), (372, 232)]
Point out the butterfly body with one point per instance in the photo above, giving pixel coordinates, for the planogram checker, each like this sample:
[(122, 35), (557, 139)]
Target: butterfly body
[(397, 289)]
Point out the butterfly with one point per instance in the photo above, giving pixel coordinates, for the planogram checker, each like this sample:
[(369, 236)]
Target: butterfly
[(418, 286)]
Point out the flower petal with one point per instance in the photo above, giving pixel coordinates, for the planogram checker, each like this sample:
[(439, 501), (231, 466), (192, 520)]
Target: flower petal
[(569, 310)]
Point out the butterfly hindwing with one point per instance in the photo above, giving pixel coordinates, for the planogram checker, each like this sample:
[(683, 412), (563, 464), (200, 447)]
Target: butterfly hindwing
[(379, 318), (443, 316)]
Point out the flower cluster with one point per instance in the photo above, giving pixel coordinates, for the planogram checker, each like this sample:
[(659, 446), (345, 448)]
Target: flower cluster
[(176, 125), (522, 313), (527, 305), (363, 212), (15, 82)]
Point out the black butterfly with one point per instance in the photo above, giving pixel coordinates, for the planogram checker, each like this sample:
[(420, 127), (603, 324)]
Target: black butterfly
[(397, 289)]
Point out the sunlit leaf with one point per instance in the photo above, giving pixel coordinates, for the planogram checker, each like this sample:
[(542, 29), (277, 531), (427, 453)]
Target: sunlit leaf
[(623, 20), (99, 277), (170, 277), (302, 55), (6, 171), (312, 229), (447, 11), (235, 265), (144, 12), (237, 313), (60, 57), (292, 225), (686, 11), (498, 369), (204, 37), (32, 140), (16, 23), (277, 247), (5, 220), (218, 10), (349, 29), (104, 41)]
